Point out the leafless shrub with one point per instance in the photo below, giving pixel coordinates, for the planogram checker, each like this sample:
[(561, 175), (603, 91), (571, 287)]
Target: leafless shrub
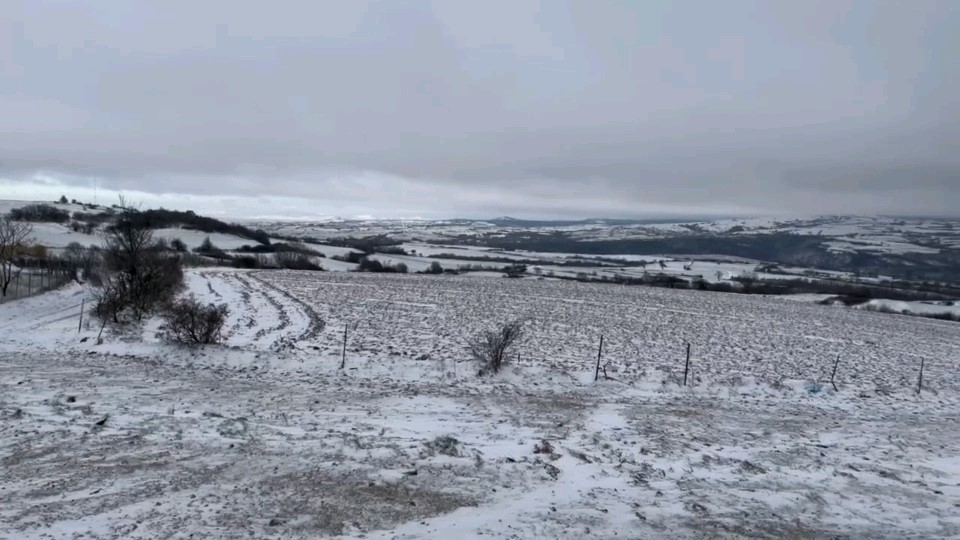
[(14, 237), (444, 444), (81, 261), (490, 348), (190, 321), (139, 276), (293, 260), (543, 447)]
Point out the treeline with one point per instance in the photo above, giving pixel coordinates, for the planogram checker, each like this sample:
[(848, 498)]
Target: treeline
[(40, 213), (150, 219), (162, 219), (772, 287)]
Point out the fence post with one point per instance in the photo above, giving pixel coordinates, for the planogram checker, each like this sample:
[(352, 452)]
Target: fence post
[(920, 380), (686, 366), (834, 374), (343, 358), (83, 301), (596, 375)]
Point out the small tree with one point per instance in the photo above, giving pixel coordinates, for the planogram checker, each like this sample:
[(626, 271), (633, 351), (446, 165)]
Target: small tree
[(292, 260), (515, 270), (14, 237), (177, 245), (435, 268), (63, 199), (370, 265), (139, 276), (80, 261), (190, 321), (206, 246), (490, 348)]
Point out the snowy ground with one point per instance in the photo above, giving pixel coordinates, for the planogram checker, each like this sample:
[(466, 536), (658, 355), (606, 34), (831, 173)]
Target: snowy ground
[(266, 437)]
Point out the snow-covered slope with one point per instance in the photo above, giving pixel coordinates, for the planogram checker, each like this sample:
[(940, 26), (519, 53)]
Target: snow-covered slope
[(266, 436)]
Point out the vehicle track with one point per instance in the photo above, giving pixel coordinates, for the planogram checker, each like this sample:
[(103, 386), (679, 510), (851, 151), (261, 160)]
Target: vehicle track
[(315, 323)]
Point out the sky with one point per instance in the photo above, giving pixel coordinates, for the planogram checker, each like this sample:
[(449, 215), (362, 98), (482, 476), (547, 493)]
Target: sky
[(593, 108)]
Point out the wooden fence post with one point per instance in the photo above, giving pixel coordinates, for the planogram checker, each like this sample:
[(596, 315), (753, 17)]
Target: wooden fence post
[(686, 367), (83, 301), (343, 358), (920, 380), (834, 374), (596, 375)]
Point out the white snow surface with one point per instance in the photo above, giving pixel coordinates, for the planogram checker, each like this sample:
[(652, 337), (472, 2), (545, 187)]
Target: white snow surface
[(266, 436)]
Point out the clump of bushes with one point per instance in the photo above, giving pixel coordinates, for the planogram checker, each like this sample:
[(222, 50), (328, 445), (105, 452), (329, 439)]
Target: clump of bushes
[(351, 257), (40, 213), (178, 245), (391, 250), (515, 270), (367, 264), (447, 445), (434, 268), (292, 260), (490, 348), (208, 249), (190, 321)]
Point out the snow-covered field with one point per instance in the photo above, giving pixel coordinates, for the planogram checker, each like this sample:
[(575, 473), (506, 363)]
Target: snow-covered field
[(266, 436)]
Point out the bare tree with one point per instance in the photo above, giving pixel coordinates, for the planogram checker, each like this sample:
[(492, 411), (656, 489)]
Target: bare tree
[(139, 274), (490, 348), (14, 237), (79, 260)]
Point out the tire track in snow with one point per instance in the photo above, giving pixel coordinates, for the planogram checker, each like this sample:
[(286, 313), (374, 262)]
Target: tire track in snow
[(259, 302), (313, 323)]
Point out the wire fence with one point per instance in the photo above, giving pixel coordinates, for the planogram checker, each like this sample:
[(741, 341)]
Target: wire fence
[(33, 281)]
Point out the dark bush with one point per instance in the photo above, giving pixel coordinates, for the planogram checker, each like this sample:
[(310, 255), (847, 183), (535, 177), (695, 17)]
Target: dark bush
[(490, 348), (40, 213), (190, 321), (177, 245), (367, 264), (294, 247), (367, 244), (246, 261), (351, 257), (515, 270), (291, 260), (391, 250), (370, 265), (208, 248)]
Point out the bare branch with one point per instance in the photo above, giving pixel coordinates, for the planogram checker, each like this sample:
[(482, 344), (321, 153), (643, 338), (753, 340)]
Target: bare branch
[(14, 238), (490, 348)]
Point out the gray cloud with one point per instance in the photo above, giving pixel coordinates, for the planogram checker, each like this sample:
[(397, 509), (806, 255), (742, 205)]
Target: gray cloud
[(456, 108)]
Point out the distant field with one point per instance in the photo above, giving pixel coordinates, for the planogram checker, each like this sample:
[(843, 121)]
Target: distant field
[(644, 329)]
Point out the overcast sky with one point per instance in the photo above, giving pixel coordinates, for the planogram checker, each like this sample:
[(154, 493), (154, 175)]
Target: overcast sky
[(632, 108)]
